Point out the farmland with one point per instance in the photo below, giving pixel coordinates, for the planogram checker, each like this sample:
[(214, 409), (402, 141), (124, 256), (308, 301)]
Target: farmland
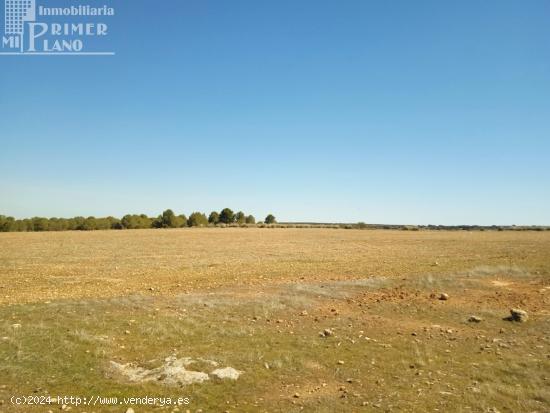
[(321, 320)]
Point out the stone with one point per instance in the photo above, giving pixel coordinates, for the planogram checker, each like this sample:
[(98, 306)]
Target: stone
[(518, 315), (227, 373), (475, 319), (327, 332), (443, 296)]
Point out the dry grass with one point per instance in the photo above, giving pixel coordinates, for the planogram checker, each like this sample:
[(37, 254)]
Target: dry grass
[(48, 266), (73, 302)]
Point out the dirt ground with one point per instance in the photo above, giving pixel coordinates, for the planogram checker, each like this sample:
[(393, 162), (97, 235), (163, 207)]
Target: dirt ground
[(320, 320)]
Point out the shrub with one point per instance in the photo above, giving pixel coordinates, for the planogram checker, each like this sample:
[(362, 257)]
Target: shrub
[(240, 217), (227, 216), (270, 219), (197, 219), (169, 219), (214, 217)]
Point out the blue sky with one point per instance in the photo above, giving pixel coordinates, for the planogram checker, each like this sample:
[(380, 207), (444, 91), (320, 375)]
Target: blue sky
[(388, 112)]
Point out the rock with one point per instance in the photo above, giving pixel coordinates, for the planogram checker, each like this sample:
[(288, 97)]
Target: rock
[(340, 362), (303, 313), (130, 410), (327, 332), (172, 373), (443, 296), (518, 315), (296, 395), (475, 319), (227, 373)]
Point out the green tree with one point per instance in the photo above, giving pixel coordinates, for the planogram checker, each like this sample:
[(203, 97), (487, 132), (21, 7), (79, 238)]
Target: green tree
[(89, 224), (102, 224), (240, 217), (39, 224), (270, 219), (157, 222), (181, 221), (214, 217), (169, 219), (144, 221), (128, 221), (250, 219), (114, 223), (197, 219), (227, 216), (7, 224)]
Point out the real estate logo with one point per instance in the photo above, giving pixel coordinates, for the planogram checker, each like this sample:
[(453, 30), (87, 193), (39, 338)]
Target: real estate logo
[(32, 29)]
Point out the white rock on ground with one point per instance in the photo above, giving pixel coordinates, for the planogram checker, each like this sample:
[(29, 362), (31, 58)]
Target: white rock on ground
[(172, 373), (227, 373)]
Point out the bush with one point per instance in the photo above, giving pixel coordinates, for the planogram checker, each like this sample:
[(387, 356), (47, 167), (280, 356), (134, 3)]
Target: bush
[(214, 217), (270, 219), (240, 217), (197, 219), (138, 221), (169, 219), (227, 216)]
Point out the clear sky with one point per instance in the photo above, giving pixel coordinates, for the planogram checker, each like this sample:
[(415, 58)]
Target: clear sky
[(336, 111)]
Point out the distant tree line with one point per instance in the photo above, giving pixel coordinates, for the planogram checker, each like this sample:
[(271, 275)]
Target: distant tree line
[(168, 219), (226, 217)]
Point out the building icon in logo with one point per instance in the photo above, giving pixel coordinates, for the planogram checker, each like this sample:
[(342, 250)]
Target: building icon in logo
[(17, 12)]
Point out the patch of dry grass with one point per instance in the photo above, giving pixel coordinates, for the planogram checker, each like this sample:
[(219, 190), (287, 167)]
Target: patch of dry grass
[(257, 301)]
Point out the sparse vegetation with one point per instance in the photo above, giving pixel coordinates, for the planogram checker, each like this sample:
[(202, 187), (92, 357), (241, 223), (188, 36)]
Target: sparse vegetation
[(321, 332), (226, 218)]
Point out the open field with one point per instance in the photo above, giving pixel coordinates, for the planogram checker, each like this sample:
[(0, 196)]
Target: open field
[(101, 313)]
